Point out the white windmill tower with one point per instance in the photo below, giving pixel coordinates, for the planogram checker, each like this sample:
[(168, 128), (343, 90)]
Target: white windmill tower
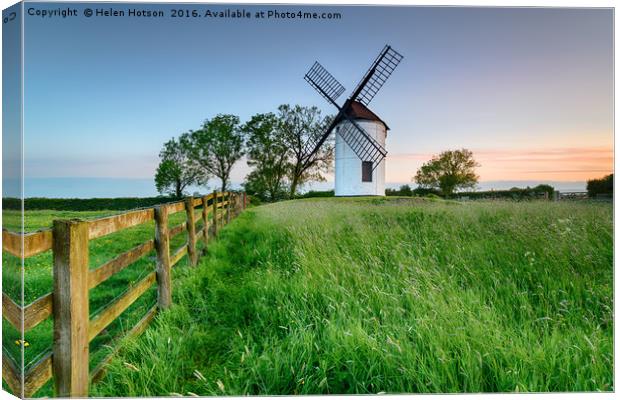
[(360, 133)]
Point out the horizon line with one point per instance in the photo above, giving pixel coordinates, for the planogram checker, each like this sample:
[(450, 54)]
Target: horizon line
[(236, 181)]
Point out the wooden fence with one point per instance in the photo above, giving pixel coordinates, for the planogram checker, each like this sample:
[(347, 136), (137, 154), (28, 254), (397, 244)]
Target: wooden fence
[(68, 303)]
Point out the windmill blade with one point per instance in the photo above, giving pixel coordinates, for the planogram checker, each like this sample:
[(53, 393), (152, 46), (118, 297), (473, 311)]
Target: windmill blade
[(313, 146), (385, 63), (362, 144), (324, 83)]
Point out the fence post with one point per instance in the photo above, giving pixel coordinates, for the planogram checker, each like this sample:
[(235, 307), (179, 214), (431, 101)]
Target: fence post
[(191, 231), (214, 213), (71, 315), (162, 247), (205, 218), (228, 199)]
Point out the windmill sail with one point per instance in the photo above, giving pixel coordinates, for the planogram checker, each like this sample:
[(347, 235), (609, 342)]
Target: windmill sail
[(377, 75), (362, 144), (324, 83)]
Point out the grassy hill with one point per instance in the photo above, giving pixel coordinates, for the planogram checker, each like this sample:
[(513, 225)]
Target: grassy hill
[(398, 295)]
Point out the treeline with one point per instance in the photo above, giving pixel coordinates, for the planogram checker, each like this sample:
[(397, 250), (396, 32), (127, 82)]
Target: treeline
[(120, 204), (528, 193), (406, 190), (513, 193), (278, 145)]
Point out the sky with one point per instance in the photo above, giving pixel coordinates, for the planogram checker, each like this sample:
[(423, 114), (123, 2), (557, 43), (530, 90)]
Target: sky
[(529, 91)]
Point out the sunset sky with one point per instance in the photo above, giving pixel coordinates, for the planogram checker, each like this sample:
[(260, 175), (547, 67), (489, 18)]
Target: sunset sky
[(529, 91)]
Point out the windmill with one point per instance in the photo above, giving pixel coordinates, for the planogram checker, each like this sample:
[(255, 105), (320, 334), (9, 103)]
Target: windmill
[(360, 133)]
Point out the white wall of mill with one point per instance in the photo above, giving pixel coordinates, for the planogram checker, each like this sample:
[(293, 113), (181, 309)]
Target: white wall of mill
[(348, 168)]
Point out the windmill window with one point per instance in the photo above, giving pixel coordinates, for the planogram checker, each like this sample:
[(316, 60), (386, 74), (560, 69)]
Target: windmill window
[(366, 171)]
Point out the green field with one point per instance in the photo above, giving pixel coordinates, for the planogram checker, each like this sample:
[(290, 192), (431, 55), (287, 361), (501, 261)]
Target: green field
[(38, 281), (387, 295)]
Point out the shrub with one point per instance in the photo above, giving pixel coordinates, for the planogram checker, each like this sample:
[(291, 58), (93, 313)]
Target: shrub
[(603, 186)]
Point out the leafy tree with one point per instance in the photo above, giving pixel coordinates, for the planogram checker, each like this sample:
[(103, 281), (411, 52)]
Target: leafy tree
[(301, 126), (450, 170), (268, 153), (604, 185), (176, 171), (217, 146)]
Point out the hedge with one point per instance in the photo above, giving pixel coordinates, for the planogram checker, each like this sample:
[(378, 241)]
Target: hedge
[(120, 203)]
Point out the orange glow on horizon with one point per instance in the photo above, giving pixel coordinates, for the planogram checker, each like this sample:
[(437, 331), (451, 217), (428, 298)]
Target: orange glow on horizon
[(557, 164)]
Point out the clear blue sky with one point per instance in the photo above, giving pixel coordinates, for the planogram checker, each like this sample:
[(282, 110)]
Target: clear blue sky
[(529, 90)]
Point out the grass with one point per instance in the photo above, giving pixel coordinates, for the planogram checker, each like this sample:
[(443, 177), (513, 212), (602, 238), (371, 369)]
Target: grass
[(38, 282), (397, 296)]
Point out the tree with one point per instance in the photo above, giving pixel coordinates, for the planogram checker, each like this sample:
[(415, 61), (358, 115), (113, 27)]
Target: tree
[(176, 171), (450, 170), (603, 185), (217, 146), (268, 153), (301, 127)]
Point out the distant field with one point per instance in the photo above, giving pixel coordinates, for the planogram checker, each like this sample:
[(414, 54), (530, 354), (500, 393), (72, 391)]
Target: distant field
[(397, 295), (38, 280)]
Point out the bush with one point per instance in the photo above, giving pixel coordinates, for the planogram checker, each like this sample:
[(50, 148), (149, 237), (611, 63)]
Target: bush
[(420, 191), (604, 186), (316, 193), (544, 189), (404, 190), (254, 200)]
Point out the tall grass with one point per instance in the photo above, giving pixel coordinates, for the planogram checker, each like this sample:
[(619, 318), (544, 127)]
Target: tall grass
[(397, 296)]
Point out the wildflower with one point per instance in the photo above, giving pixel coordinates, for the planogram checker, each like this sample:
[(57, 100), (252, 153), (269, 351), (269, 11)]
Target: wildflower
[(19, 342)]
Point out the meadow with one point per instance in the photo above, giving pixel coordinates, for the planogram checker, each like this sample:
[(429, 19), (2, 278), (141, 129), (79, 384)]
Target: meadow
[(380, 295)]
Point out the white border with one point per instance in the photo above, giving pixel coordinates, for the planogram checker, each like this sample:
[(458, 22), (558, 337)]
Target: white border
[(477, 3)]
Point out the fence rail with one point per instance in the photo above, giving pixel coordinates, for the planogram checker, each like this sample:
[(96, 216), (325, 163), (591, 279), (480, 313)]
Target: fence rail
[(68, 302)]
